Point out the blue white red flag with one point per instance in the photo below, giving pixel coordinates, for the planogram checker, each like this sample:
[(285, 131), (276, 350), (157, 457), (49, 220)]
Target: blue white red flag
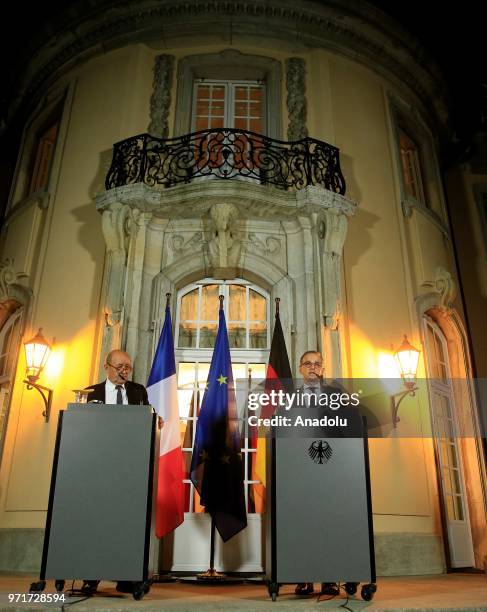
[(162, 392)]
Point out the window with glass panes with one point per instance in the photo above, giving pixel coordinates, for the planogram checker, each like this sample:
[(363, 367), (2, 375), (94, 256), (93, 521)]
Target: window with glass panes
[(45, 146), (247, 315), (443, 406), (229, 104), (411, 167), (9, 349)]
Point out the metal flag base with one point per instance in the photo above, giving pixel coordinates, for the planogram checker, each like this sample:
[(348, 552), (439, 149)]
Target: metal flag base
[(211, 574)]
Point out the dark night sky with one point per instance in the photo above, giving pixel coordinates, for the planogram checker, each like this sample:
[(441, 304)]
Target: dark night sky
[(451, 32)]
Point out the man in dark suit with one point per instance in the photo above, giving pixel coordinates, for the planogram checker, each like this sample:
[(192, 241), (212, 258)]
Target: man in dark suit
[(116, 389), (311, 369)]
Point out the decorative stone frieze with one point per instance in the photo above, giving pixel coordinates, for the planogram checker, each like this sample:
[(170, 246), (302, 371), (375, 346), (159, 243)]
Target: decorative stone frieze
[(296, 98), (161, 96), (180, 246), (265, 246)]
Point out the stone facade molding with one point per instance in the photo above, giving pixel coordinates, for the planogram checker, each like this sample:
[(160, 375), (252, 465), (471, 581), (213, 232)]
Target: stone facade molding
[(366, 35), (442, 289), (223, 230), (161, 95), (296, 98), (11, 287)]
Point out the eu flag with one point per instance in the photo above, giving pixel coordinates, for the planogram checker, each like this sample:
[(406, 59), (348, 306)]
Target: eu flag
[(216, 465)]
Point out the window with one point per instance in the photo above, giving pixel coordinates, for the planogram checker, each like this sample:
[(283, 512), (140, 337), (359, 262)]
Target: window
[(242, 90), (229, 104), (9, 348), (247, 314), (44, 153), (411, 168), (444, 422)]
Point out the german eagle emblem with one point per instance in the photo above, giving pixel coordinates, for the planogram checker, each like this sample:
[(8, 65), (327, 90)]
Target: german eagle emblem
[(320, 451)]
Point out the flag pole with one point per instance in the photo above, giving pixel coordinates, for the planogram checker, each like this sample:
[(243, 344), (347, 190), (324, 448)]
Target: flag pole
[(211, 574)]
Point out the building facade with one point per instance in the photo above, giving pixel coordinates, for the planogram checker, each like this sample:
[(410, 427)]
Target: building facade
[(259, 150)]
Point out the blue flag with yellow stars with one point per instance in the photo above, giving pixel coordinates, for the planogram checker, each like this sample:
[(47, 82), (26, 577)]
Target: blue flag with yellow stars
[(216, 465)]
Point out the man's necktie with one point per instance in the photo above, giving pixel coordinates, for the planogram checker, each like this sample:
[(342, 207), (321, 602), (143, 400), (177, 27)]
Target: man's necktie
[(119, 394)]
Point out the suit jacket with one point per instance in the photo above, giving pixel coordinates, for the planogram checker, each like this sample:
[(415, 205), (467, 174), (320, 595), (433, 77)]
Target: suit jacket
[(136, 394)]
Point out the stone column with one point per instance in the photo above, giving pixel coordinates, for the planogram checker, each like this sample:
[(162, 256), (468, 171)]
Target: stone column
[(114, 220), (332, 229)]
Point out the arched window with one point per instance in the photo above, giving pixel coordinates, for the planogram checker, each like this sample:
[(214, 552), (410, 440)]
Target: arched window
[(447, 448), (9, 348), (247, 314)]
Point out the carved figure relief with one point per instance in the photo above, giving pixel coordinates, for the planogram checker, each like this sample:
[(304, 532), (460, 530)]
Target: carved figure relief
[(161, 96), (224, 247), (296, 98)]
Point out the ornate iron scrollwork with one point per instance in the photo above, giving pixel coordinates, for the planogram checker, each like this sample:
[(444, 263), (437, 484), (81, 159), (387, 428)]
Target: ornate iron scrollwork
[(225, 154)]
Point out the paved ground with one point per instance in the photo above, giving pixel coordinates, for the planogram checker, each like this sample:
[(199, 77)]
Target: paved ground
[(452, 592)]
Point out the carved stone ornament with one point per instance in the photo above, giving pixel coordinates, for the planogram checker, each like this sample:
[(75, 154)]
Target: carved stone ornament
[(444, 285), (115, 225), (161, 96), (182, 247), (269, 246), (224, 247), (8, 276), (296, 98)]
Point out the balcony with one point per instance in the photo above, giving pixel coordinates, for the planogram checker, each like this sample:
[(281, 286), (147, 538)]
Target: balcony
[(225, 154)]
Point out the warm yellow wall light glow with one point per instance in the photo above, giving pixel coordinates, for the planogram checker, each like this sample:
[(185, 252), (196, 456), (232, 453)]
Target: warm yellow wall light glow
[(388, 372), (54, 366)]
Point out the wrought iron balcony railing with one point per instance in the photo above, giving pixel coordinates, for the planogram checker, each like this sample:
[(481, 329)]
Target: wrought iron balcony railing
[(225, 154)]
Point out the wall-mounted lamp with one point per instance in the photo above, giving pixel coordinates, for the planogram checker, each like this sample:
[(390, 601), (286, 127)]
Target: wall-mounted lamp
[(37, 351), (407, 357)]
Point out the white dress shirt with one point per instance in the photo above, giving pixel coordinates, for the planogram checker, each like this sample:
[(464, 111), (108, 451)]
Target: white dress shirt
[(111, 393)]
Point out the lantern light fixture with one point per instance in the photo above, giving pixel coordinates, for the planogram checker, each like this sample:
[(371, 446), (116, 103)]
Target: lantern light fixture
[(37, 351), (407, 358)]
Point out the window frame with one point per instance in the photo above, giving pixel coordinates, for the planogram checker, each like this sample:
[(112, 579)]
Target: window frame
[(230, 64)]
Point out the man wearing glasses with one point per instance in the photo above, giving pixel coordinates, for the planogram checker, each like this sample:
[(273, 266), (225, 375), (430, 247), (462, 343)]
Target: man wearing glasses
[(311, 369), (117, 389)]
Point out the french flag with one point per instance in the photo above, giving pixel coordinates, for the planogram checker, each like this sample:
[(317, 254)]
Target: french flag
[(162, 392)]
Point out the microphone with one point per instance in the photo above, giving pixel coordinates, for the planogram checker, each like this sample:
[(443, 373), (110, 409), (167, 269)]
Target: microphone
[(122, 377)]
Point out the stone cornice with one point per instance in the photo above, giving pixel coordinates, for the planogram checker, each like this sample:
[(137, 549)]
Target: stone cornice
[(252, 200), (357, 30)]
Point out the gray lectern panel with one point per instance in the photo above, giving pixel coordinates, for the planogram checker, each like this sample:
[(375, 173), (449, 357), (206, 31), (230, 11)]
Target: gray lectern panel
[(100, 513), (322, 516), (319, 517)]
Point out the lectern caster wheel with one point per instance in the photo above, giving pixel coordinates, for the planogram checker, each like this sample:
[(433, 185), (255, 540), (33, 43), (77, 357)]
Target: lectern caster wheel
[(140, 589), (59, 584), (37, 587), (273, 588), (367, 591), (351, 587)]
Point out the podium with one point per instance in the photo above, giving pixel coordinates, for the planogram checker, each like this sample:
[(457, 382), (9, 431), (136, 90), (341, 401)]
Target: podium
[(319, 515), (99, 519)]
